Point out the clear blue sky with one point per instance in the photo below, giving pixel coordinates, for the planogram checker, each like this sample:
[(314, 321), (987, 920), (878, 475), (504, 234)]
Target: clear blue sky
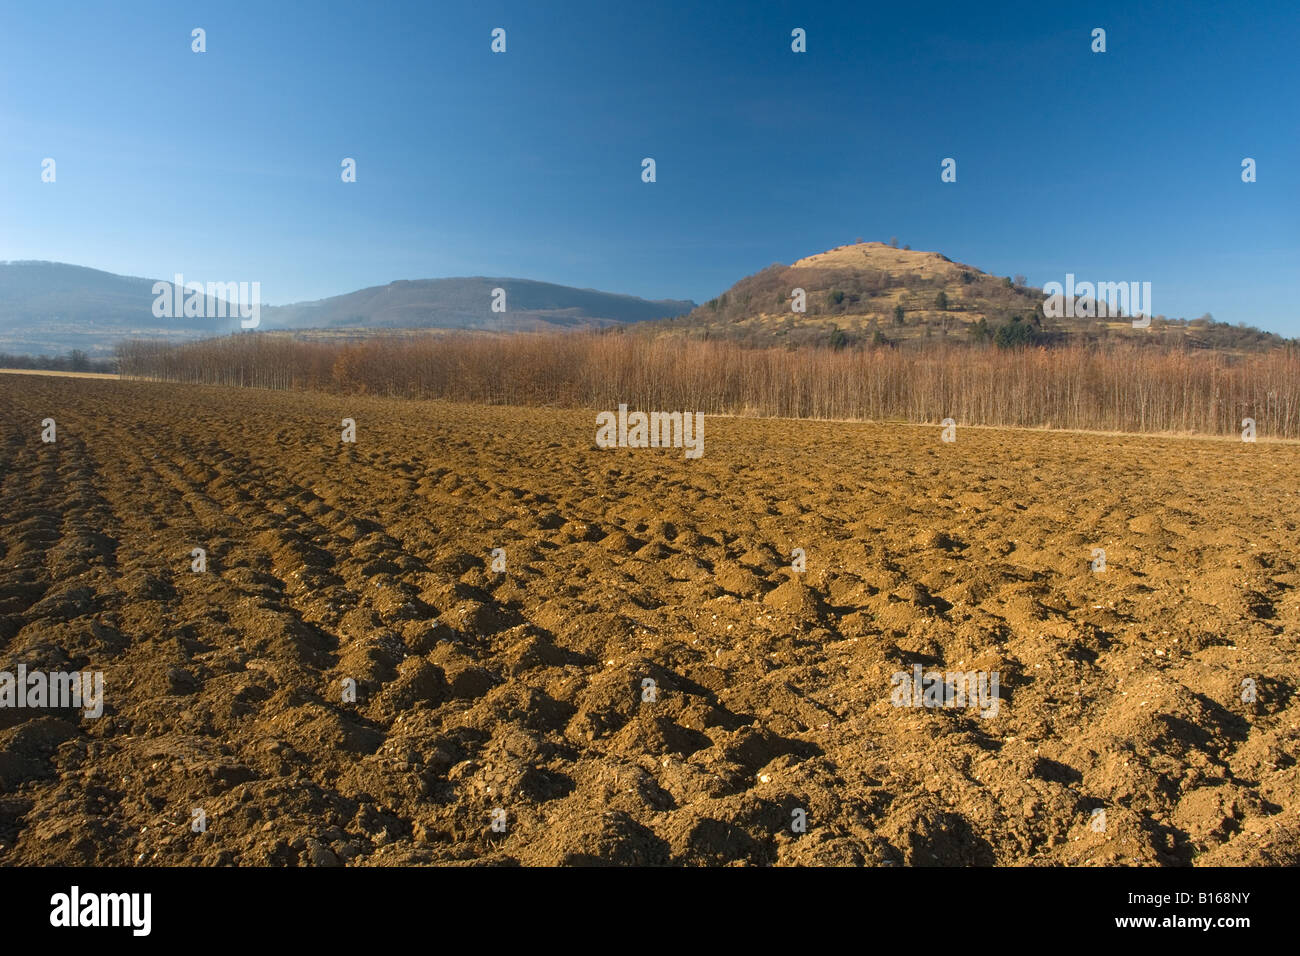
[(225, 165)]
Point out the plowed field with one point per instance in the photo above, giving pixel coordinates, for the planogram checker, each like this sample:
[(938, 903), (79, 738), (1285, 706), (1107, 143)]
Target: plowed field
[(1160, 690)]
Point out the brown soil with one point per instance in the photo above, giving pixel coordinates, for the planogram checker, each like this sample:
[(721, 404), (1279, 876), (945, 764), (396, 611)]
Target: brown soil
[(523, 691), (56, 374)]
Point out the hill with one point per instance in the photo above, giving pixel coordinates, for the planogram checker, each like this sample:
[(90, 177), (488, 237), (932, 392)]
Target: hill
[(467, 304), (53, 307), (873, 293)]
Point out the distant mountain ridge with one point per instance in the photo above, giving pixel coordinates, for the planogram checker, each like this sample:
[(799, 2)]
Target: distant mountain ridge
[(861, 295), (32, 292), (466, 303), (54, 307)]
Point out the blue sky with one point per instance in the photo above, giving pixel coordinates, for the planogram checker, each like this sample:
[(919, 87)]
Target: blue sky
[(1122, 166)]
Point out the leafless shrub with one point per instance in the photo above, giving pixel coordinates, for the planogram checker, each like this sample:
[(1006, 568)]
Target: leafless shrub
[(1115, 388)]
